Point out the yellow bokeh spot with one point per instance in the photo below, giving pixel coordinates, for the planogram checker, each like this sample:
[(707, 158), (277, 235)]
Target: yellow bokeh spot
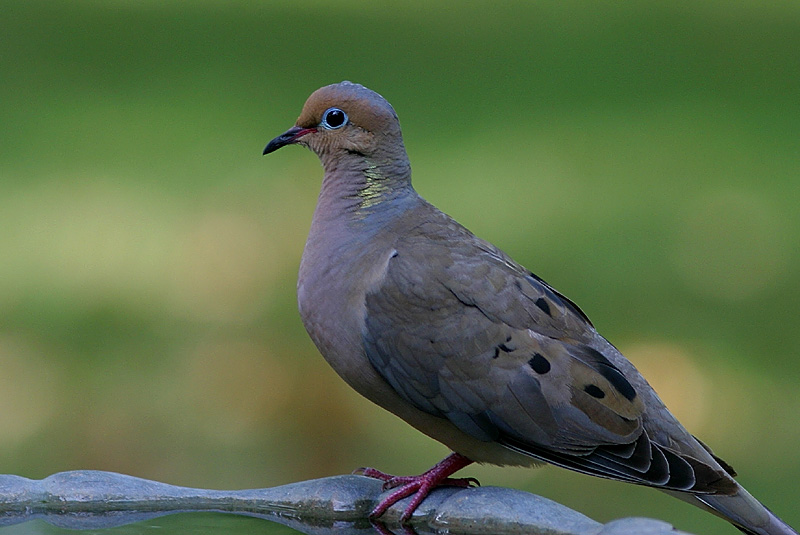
[(675, 376)]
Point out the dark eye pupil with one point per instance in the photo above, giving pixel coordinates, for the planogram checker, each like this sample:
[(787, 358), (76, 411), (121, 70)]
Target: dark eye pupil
[(335, 118)]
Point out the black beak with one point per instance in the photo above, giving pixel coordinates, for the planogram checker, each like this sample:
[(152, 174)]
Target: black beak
[(287, 138)]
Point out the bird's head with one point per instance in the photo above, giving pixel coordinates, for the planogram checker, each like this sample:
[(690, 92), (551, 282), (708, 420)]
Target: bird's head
[(344, 118)]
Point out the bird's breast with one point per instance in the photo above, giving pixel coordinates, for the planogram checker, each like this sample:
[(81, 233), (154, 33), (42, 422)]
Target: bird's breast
[(331, 292)]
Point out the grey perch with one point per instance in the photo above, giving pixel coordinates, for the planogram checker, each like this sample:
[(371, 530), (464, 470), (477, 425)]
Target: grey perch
[(88, 499)]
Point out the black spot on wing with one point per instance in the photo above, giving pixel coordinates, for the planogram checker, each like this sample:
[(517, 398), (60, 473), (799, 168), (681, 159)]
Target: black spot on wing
[(618, 380), (542, 304), (502, 347), (610, 372), (539, 364), (594, 391), (556, 296)]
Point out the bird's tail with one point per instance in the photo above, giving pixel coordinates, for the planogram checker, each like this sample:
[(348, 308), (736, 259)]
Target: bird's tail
[(741, 510)]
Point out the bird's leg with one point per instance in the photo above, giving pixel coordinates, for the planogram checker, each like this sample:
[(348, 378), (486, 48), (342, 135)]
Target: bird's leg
[(420, 486)]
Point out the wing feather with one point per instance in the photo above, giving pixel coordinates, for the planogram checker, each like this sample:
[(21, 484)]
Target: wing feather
[(462, 332)]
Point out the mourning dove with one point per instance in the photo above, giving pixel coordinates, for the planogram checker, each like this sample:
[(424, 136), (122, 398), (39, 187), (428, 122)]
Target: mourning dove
[(449, 333)]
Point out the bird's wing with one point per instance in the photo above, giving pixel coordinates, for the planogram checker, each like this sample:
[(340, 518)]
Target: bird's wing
[(461, 331)]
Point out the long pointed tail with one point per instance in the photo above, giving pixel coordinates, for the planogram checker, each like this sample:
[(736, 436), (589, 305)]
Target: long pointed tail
[(741, 510)]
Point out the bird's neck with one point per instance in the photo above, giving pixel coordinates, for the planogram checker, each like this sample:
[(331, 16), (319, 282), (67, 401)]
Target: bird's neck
[(362, 186), (359, 199)]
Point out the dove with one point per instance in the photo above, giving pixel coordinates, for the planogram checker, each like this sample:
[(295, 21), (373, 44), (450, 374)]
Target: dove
[(449, 333)]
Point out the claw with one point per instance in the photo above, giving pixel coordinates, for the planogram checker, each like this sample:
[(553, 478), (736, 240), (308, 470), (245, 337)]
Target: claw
[(375, 474), (420, 486)]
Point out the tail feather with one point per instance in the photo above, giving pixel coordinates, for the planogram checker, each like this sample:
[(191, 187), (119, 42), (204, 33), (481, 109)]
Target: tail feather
[(740, 509)]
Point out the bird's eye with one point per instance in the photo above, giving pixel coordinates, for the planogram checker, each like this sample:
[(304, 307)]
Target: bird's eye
[(334, 118)]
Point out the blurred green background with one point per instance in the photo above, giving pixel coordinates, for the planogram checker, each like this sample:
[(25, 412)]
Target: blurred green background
[(642, 157)]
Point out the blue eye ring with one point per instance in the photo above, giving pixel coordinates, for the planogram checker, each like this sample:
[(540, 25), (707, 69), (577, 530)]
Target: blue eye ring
[(334, 118)]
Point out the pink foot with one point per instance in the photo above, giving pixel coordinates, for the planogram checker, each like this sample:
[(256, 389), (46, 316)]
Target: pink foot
[(420, 486)]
